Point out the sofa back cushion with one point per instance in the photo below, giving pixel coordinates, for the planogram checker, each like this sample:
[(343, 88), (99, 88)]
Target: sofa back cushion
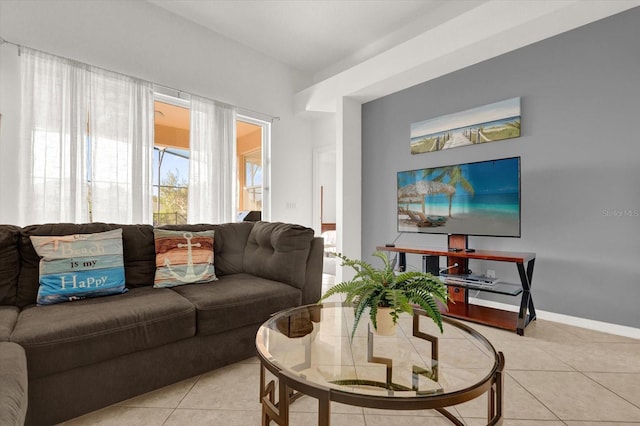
[(279, 252), (9, 263), (138, 250), (275, 251), (139, 255)]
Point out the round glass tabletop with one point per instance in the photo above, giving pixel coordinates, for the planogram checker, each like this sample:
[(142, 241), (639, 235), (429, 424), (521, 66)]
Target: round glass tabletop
[(417, 367)]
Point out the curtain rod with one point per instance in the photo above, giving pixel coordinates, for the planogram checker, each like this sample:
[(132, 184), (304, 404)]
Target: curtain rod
[(157, 85)]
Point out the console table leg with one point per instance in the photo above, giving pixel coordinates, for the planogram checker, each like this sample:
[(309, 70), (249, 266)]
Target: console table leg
[(526, 302), (532, 309), (522, 316)]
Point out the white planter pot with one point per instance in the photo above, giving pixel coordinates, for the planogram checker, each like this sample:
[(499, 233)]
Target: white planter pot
[(384, 320)]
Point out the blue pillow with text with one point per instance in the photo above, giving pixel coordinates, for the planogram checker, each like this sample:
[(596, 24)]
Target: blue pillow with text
[(74, 267)]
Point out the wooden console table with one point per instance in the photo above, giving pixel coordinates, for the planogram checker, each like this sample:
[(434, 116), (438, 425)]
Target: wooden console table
[(459, 306)]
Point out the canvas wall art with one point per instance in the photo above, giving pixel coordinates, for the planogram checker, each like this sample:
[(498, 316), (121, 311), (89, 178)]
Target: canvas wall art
[(488, 123)]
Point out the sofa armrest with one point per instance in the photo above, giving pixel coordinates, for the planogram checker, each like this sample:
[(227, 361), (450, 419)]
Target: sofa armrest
[(312, 289), (13, 384)]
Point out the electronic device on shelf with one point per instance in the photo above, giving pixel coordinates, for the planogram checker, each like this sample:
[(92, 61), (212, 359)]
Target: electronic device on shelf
[(480, 198), (470, 279)]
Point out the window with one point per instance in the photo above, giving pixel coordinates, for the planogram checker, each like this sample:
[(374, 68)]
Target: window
[(250, 172), (170, 188), (88, 154), (170, 163)]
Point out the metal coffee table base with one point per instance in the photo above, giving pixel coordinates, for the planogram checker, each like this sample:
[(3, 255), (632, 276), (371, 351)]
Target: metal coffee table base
[(290, 389)]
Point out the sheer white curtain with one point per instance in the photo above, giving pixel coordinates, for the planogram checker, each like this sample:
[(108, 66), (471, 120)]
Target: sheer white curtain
[(86, 143), (121, 132), (53, 140), (212, 185)]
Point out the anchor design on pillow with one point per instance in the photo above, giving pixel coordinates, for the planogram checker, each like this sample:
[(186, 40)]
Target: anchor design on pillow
[(190, 275)]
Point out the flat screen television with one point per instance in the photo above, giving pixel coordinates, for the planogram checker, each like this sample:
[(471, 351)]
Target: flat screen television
[(481, 198)]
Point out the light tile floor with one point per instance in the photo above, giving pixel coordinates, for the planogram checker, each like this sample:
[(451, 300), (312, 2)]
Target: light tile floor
[(556, 375)]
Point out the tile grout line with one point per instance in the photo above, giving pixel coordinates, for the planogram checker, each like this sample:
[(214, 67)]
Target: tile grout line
[(532, 395), (585, 340), (181, 399), (607, 387)]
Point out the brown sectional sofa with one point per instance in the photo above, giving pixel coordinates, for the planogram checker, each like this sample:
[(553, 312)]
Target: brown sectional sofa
[(87, 354), (13, 384)]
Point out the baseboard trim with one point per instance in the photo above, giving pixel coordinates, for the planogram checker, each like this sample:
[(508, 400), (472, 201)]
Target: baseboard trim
[(618, 330)]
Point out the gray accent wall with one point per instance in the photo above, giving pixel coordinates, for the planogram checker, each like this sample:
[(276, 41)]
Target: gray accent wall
[(580, 150)]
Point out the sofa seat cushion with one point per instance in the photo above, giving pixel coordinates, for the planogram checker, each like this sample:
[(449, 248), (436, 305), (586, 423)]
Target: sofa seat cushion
[(68, 335), (8, 317), (13, 384), (237, 300)]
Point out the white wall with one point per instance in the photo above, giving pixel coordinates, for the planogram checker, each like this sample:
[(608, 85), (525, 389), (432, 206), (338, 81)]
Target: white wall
[(328, 182), (144, 41), (324, 164), (349, 178)]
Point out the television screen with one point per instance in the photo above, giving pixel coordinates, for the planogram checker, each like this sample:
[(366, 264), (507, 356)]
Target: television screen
[(481, 198)]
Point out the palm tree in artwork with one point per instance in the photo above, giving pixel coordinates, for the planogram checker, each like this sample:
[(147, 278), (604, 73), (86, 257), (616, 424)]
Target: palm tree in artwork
[(422, 188), (454, 173)]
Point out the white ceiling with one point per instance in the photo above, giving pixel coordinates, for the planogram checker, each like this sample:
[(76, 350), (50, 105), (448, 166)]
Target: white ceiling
[(365, 49), (315, 35)]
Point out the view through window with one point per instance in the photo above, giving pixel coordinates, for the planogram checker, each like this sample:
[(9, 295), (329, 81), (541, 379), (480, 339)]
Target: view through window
[(252, 189), (170, 164), (249, 152)]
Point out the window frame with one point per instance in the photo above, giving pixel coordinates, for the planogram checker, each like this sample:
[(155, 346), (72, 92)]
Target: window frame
[(249, 117)]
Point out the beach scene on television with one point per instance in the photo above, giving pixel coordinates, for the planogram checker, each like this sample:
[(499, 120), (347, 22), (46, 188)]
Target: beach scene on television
[(481, 198), (488, 123)]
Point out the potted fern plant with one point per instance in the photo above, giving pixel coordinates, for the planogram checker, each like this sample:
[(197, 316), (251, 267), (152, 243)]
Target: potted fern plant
[(388, 294)]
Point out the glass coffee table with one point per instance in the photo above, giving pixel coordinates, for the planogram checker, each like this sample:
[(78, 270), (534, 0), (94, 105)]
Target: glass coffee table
[(310, 351)]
